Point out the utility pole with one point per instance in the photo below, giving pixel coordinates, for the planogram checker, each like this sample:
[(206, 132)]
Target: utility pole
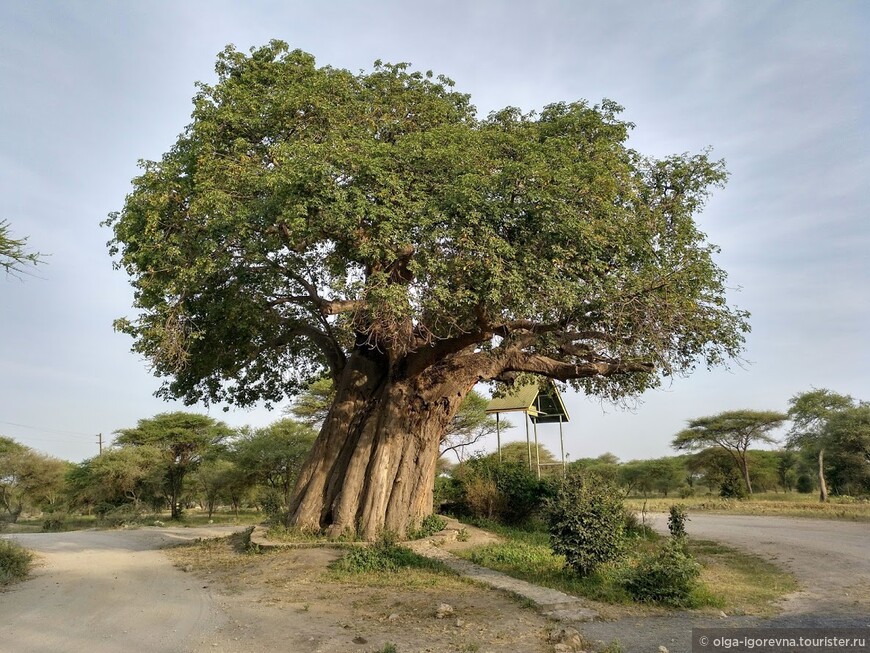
[(100, 441)]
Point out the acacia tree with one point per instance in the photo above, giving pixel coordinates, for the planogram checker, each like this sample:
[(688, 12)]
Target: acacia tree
[(848, 433), (14, 255), (180, 440), (28, 479), (734, 431), (809, 413), (469, 425), (272, 456), (312, 405), (371, 227), (118, 475)]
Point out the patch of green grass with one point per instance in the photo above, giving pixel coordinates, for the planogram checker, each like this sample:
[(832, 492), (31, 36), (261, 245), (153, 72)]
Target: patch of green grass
[(14, 562), (532, 533), (730, 580), (383, 558), (527, 558), (389, 565), (743, 583), (431, 524)]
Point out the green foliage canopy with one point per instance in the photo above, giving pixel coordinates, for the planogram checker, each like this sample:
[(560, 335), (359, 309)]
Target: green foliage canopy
[(307, 211), (13, 251), (28, 480), (273, 455), (809, 413), (181, 439), (734, 431), (848, 432)]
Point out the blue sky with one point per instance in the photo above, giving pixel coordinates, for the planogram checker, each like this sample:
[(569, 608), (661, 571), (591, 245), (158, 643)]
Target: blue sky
[(778, 89)]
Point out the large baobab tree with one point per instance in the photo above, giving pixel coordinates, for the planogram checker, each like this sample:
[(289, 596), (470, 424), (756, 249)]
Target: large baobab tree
[(372, 227)]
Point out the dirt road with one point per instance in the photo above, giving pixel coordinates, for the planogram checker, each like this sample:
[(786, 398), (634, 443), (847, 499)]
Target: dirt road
[(107, 592), (115, 591)]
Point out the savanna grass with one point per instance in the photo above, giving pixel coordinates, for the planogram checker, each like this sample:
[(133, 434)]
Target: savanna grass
[(15, 562)]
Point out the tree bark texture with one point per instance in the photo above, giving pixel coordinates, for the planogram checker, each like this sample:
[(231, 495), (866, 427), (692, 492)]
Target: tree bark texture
[(372, 468), (744, 470), (823, 487)]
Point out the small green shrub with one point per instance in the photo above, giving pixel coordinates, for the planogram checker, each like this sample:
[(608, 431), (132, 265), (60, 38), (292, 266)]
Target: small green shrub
[(14, 562), (54, 522), (431, 524), (523, 493), (271, 502), (388, 648), (447, 494), (462, 535), (382, 557), (508, 491), (117, 516), (677, 521), (667, 575), (586, 522), (804, 484), (732, 486), (686, 491)]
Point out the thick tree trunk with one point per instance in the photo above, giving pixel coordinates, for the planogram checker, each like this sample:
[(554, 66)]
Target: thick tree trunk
[(372, 468), (823, 487), (744, 469), (176, 478)]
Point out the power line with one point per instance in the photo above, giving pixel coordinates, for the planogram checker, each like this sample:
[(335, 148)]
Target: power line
[(47, 430)]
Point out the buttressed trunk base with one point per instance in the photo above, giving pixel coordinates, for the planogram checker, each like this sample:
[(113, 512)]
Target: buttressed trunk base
[(372, 468)]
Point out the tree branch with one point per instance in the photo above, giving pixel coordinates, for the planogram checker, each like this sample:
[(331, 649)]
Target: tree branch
[(518, 361), (329, 346)]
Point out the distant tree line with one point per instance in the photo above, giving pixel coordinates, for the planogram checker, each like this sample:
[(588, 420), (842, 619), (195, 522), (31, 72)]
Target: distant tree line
[(180, 460), (827, 448)]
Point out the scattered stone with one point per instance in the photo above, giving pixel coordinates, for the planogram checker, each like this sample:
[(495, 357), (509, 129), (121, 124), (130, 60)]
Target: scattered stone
[(444, 610), (393, 617), (723, 615), (566, 639), (663, 649), (459, 623), (360, 640)]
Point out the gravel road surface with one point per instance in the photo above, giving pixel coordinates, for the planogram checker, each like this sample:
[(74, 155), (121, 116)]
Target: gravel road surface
[(115, 591), (107, 592)]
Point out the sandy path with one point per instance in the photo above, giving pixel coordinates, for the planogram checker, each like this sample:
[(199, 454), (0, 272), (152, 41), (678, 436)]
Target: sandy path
[(107, 591)]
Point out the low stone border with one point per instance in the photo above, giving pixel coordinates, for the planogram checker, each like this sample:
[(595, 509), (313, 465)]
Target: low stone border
[(260, 540), (552, 603)]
